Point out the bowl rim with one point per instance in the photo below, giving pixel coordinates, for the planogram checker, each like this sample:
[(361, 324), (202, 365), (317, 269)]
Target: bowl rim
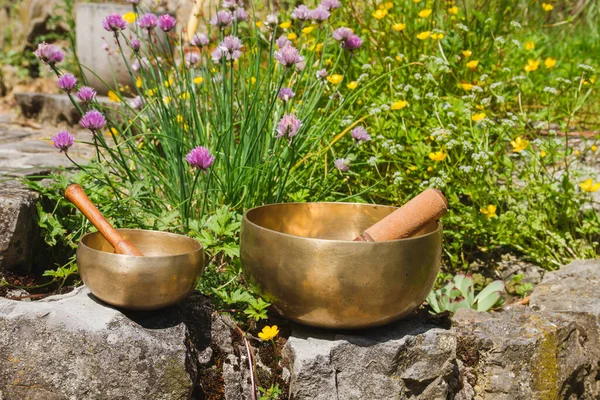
[(199, 248), (245, 219)]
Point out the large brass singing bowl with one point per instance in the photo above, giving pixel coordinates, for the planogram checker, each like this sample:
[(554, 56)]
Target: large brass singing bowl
[(301, 258), (168, 272)]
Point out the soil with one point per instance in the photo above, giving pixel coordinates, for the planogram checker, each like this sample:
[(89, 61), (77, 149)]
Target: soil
[(31, 287)]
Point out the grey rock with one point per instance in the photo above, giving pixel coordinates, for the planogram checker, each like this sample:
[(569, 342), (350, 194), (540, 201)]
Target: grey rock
[(510, 266), (47, 108), (387, 363), (18, 231)]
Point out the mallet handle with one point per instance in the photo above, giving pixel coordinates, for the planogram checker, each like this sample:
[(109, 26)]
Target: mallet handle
[(77, 196)]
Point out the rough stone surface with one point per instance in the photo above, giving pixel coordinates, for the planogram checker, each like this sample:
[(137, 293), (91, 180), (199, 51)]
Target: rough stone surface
[(75, 347), (18, 233)]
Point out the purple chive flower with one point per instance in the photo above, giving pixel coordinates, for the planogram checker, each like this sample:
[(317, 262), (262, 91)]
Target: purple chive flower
[(63, 140), (286, 94), (348, 40), (241, 15), (93, 120), (192, 58), (289, 57), (49, 54), (331, 4), (288, 126), (67, 82), (301, 12), (136, 102), (232, 4), (360, 134), (283, 41), (322, 74), (199, 40), (114, 23), (200, 158), (319, 14), (342, 164), (166, 22), (222, 19), (86, 94), (135, 45), (148, 21), (228, 48)]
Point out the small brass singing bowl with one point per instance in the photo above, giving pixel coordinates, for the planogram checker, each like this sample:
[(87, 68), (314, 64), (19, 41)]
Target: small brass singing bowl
[(301, 257), (168, 272)]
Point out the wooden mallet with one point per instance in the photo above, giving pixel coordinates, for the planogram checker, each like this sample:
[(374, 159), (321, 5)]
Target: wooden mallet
[(76, 195)]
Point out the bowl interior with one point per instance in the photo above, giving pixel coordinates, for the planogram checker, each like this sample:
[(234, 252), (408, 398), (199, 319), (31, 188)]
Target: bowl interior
[(332, 221), (151, 243)]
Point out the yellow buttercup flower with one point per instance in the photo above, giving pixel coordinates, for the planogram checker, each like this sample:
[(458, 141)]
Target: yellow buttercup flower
[(285, 25), (489, 211), (519, 144), (138, 82), (292, 36), (253, 80), (130, 17), (453, 10), (423, 35), (179, 118), (547, 7), (429, 169), (268, 332), (529, 45), (167, 99), (169, 82), (335, 79), (307, 30), (399, 58), (478, 117), (589, 185), (593, 148), (417, 1), (388, 5), (381, 13), (198, 80), (184, 96), (112, 131), (437, 36), (466, 86), (576, 152), (473, 64), (467, 53), (399, 105), (425, 13), (352, 85), (438, 155), (479, 107), (399, 27), (259, 24), (550, 62), (112, 96), (532, 65), (150, 92), (543, 154)]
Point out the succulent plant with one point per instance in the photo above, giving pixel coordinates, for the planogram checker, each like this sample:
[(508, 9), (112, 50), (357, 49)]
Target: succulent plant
[(460, 293)]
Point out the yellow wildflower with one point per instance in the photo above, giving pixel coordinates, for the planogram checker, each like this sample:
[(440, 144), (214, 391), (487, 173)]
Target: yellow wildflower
[(466, 86), (478, 117), (130, 17), (417, 1), (112, 96), (576, 153), (328, 62), (593, 148), (268, 332), (198, 80), (543, 154), (389, 5), (307, 30), (453, 10), (519, 144), (168, 83), (150, 92), (399, 27), (138, 82), (437, 36), (292, 36), (438, 155), (259, 24), (532, 65), (550, 62), (467, 53), (381, 13), (473, 64), (112, 131), (529, 45), (167, 99), (352, 85), (425, 13), (489, 211), (423, 35), (179, 118), (399, 105), (479, 107), (399, 58), (253, 80), (429, 169), (285, 25), (547, 7), (335, 79), (589, 185)]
